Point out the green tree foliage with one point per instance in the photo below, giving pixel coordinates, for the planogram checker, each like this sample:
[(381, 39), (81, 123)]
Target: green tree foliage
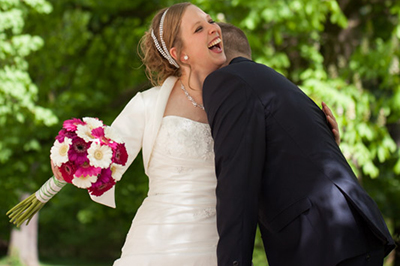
[(18, 94), (20, 114), (82, 58)]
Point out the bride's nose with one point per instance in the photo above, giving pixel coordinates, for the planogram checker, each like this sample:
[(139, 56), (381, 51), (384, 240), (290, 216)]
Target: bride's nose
[(213, 28)]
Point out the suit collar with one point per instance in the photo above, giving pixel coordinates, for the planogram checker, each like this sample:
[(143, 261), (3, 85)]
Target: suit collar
[(238, 59)]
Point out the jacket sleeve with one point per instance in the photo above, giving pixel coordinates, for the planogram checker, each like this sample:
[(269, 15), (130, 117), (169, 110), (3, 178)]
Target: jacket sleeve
[(129, 125), (236, 117)]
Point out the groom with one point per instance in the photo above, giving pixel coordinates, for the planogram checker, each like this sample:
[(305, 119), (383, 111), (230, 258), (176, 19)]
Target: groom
[(278, 166)]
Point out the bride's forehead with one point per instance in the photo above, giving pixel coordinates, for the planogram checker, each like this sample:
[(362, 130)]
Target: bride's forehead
[(193, 12)]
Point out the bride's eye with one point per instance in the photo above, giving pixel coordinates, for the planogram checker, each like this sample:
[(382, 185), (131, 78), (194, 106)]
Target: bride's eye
[(211, 21), (198, 29)]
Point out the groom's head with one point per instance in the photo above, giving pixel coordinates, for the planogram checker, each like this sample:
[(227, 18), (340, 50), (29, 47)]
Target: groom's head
[(235, 42)]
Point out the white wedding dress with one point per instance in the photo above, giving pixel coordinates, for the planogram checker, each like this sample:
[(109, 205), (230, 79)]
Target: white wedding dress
[(176, 224)]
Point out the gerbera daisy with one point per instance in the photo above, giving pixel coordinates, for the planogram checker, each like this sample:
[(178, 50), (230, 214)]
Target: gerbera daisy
[(86, 169), (99, 155), (71, 124), (67, 171), (116, 171), (104, 182), (92, 122), (120, 155), (78, 150), (59, 151), (85, 132), (98, 133), (84, 181), (64, 133)]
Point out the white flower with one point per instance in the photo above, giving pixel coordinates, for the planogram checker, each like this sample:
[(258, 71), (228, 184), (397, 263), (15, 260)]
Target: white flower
[(112, 134), (99, 155), (84, 181), (59, 151), (116, 171), (84, 132), (92, 122)]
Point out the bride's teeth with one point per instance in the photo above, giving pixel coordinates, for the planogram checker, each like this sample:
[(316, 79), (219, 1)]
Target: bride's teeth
[(214, 43)]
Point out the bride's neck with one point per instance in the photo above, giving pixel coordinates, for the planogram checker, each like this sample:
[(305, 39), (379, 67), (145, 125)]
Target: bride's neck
[(194, 81)]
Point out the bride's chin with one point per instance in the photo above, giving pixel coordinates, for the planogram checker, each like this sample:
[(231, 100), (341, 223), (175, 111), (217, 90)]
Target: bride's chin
[(222, 60)]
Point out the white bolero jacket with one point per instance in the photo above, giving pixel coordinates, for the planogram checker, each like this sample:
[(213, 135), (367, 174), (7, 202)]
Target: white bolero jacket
[(138, 125)]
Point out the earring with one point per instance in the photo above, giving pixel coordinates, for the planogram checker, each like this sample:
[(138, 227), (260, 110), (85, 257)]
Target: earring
[(185, 57)]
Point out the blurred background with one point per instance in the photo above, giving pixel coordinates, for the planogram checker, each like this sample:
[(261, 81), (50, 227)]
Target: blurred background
[(73, 58)]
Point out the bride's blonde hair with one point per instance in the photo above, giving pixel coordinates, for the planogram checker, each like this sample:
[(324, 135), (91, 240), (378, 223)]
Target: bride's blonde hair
[(158, 68)]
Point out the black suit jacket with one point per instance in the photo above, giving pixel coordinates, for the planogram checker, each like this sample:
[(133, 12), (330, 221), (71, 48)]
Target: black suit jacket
[(278, 166)]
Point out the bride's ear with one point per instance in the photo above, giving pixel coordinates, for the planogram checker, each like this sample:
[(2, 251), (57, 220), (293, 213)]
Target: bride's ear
[(173, 53)]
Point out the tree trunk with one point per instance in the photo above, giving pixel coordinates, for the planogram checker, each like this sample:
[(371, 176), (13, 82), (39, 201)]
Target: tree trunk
[(24, 242)]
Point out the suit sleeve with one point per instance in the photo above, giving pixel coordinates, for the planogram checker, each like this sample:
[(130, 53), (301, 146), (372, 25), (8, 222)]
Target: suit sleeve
[(129, 125), (236, 117)]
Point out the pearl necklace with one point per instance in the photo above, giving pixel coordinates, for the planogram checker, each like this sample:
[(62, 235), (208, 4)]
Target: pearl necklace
[(191, 98)]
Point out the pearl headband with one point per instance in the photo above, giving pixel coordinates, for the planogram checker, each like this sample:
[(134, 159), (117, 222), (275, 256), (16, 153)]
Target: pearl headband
[(163, 51)]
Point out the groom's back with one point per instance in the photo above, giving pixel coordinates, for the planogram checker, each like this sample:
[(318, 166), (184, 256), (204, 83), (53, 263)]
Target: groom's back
[(292, 119), (304, 172)]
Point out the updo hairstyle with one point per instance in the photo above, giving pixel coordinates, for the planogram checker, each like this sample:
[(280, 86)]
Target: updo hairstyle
[(158, 69)]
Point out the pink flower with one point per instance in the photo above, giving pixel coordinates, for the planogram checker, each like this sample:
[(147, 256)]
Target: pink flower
[(70, 125), (120, 155), (104, 183), (64, 133), (86, 169), (67, 171), (98, 132), (78, 151), (89, 154), (113, 145)]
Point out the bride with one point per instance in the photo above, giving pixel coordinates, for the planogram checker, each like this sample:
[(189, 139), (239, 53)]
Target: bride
[(176, 224)]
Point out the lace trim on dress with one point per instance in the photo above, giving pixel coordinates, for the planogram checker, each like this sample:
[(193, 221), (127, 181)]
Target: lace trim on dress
[(205, 213), (185, 138)]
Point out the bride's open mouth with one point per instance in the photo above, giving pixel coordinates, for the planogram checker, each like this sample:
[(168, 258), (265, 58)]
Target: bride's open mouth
[(215, 45)]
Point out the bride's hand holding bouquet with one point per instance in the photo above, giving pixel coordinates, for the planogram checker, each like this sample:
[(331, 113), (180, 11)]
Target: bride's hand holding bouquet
[(87, 154)]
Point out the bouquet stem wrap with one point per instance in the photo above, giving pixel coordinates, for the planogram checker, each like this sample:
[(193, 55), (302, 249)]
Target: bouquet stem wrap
[(30, 206), (49, 189)]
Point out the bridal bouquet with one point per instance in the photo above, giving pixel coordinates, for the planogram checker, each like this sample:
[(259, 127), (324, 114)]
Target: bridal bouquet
[(87, 154)]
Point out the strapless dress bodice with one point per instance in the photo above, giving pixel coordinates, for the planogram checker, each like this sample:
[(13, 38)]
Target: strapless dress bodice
[(176, 223)]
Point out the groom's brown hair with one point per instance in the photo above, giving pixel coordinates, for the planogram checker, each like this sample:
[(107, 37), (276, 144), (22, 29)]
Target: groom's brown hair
[(235, 42)]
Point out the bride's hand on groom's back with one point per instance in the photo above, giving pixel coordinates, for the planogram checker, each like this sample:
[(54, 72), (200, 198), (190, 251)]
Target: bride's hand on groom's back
[(332, 122)]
